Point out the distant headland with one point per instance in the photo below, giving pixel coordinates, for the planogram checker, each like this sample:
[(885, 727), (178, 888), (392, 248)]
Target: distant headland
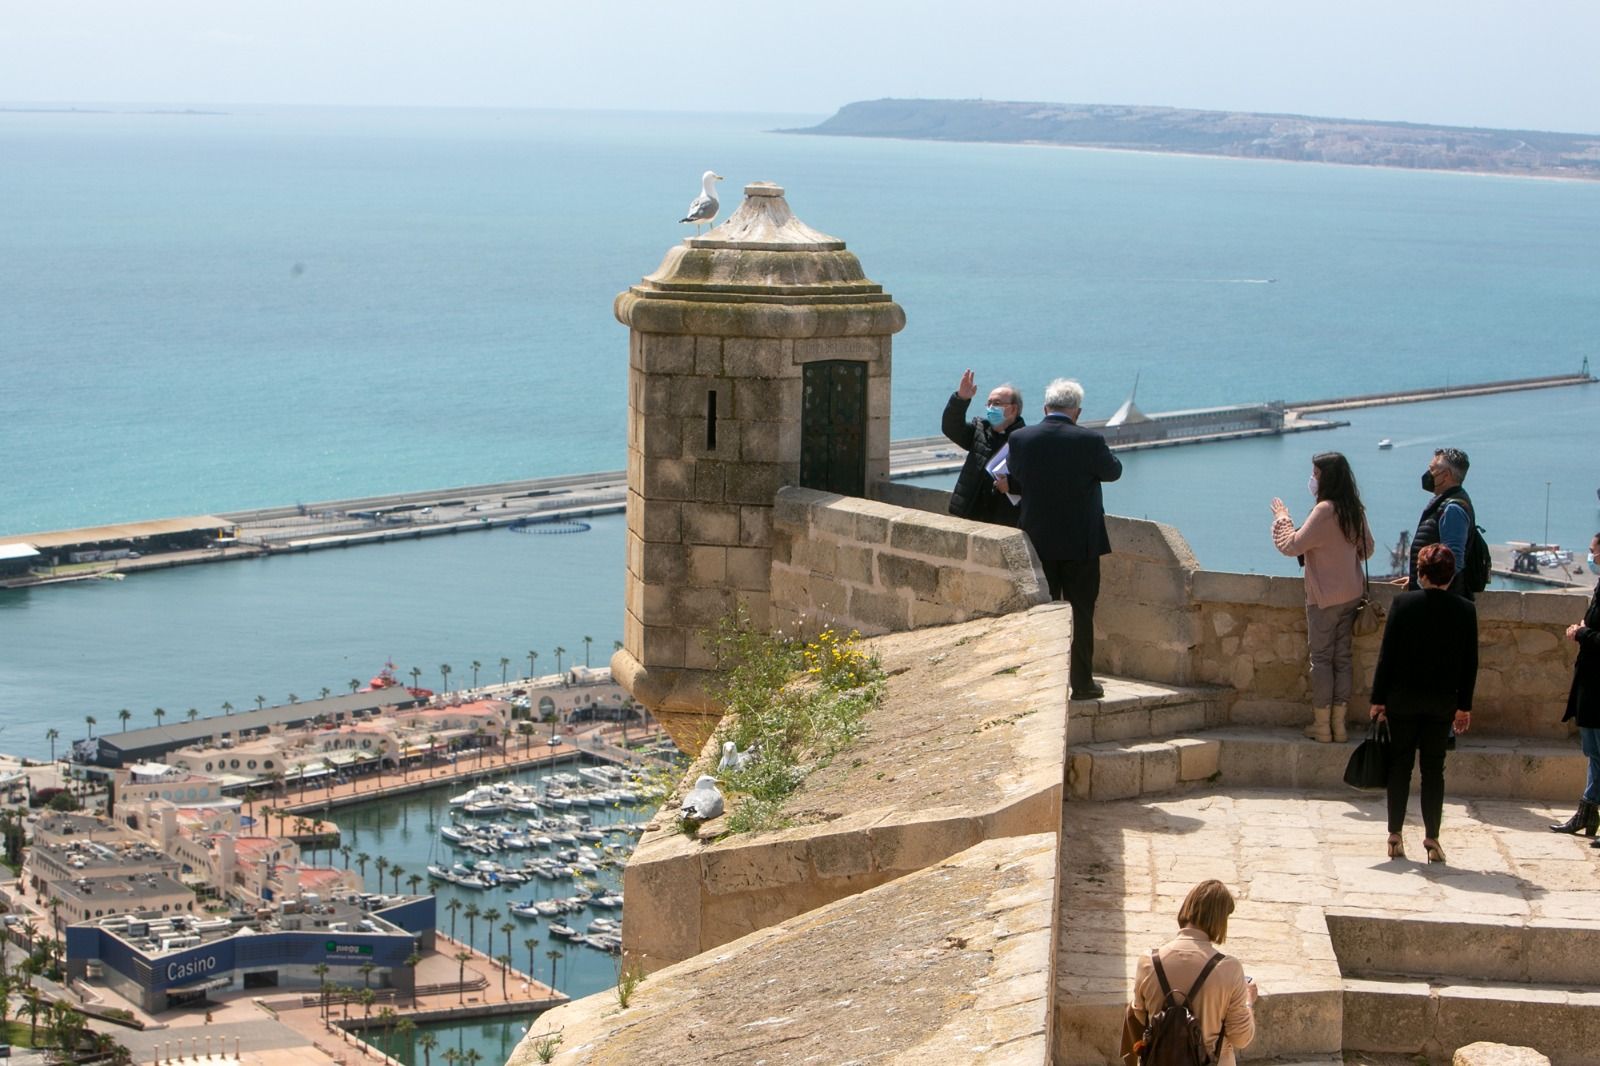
[(1238, 134)]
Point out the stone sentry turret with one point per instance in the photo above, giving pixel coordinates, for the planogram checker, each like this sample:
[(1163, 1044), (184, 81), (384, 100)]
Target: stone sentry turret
[(758, 357)]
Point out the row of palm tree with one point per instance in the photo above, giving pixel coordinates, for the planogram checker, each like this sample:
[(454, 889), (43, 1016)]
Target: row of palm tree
[(445, 670)]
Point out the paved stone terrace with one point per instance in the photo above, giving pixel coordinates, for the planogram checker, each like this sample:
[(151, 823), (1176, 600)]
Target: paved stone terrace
[(1288, 858)]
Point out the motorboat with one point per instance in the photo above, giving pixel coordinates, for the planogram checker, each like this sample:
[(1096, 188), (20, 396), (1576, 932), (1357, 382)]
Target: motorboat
[(609, 901), (548, 908), (607, 942), (1385, 444), (564, 932), (529, 909), (605, 925)]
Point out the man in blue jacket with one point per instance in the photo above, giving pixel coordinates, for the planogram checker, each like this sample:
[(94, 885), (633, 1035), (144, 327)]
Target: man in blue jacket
[(975, 495), (1057, 467)]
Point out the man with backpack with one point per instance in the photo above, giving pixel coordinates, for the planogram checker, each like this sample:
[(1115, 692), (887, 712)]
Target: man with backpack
[(1192, 1005), (1449, 519)]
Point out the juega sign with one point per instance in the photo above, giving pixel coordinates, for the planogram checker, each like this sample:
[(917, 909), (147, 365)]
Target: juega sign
[(333, 947), (177, 971)]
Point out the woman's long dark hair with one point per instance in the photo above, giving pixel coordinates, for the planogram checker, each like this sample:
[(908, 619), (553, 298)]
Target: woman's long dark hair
[(1337, 485)]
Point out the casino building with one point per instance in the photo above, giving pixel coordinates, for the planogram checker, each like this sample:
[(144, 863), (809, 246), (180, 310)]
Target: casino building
[(163, 960)]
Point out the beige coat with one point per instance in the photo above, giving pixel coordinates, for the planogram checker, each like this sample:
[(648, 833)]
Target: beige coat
[(1222, 998), (1333, 565)]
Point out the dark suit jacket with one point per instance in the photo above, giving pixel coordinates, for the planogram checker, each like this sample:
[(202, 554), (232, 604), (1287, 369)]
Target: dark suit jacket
[(1057, 468), (1428, 663), (1583, 702)]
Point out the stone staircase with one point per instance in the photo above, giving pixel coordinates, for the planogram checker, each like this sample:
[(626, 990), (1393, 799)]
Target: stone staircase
[(1163, 790)]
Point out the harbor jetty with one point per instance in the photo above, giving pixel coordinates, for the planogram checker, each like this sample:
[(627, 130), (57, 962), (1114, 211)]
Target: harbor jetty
[(556, 505)]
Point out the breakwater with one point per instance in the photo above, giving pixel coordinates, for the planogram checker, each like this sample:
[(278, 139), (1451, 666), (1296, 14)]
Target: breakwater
[(554, 502)]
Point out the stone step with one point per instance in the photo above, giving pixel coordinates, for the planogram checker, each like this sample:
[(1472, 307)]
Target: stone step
[(1374, 944), (1137, 710), (1435, 1018), (1238, 757)]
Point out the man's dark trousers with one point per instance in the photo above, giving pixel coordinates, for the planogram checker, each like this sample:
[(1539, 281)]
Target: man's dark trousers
[(1077, 581)]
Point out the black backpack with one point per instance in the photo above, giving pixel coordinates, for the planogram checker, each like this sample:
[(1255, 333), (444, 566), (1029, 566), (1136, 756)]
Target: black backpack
[(1173, 1036), (1478, 563)]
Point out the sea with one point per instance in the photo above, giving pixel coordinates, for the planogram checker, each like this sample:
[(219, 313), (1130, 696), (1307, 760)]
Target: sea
[(202, 312)]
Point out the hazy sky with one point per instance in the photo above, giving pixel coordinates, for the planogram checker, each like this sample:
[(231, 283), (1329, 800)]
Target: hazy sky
[(1463, 62)]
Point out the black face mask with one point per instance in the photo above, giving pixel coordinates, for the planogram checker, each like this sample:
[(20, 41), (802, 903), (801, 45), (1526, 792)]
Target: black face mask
[(1427, 481)]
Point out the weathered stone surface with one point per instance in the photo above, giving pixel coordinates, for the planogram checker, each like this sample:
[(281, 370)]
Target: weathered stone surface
[(1487, 1053), (951, 963), (968, 742)]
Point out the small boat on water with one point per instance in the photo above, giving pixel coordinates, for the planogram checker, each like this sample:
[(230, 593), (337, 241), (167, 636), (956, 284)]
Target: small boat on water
[(549, 908), (564, 932), (530, 909), (607, 942), (609, 901), (1385, 444)]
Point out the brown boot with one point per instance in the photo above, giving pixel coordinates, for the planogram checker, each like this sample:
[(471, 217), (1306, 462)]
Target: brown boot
[(1318, 729), (1336, 718)]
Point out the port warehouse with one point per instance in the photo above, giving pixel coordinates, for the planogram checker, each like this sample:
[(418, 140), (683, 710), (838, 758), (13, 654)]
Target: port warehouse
[(116, 750), (98, 543), (242, 957)]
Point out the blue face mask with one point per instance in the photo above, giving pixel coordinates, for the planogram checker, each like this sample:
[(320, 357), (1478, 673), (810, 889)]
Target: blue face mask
[(994, 415), (1594, 567)]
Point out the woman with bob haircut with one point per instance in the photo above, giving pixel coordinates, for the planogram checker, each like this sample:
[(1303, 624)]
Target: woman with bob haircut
[(1333, 542), (1427, 668), (1223, 1003)]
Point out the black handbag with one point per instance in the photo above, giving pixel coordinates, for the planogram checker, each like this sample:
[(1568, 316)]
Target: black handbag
[(1369, 763)]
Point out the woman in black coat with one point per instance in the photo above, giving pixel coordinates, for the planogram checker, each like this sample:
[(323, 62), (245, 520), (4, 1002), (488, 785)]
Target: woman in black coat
[(1583, 703), (1427, 667)]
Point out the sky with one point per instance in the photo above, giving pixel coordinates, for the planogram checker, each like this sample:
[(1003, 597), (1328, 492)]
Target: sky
[(1463, 62)]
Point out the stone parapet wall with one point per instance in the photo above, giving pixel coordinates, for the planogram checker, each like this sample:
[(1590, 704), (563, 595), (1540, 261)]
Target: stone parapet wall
[(1163, 618), (1251, 637), (881, 568)]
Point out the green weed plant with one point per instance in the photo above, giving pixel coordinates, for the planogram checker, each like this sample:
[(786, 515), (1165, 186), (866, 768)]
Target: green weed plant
[(798, 702)]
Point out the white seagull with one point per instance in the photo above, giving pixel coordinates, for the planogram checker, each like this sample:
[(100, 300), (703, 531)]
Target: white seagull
[(703, 802), (734, 759), (703, 209)]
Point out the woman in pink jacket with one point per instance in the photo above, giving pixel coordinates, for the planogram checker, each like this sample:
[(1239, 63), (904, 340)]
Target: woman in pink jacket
[(1333, 541)]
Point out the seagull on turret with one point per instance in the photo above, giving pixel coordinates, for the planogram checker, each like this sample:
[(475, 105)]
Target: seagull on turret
[(733, 759), (703, 209)]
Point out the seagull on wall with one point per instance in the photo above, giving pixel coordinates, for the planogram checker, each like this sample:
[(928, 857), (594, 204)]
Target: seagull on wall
[(703, 209), (704, 802)]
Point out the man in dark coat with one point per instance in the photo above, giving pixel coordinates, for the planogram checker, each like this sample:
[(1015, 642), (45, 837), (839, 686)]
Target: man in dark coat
[(975, 495), (1448, 519), (1583, 703), (1057, 468)]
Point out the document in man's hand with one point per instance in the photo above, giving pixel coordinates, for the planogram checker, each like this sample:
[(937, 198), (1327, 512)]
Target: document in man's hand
[(998, 468)]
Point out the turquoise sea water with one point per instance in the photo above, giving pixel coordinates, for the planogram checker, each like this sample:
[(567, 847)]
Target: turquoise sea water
[(200, 313)]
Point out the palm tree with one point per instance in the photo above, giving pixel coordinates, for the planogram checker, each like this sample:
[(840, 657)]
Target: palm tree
[(414, 881), (404, 1028), (227, 708), (326, 691), (124, 715), (453, 906), (427, 1042), (533, 657), (293, 699), (89, 720), (397, 872), (586, 642), (366, 973), (416, 676), (492, 915), (504, 663), (52, 735), (444, 671), (382, 864), (462, 958), (362, 858), (560, 651), (261, 701), (386, 1019), (526, 729), (476, 666), (472, 913), (553, 955), (532, 944), (346, 850), (451, 1055), (321, 970), (505, 970), (368, 997), (193, 713), (160, 714), (508, 929), (355, 686)]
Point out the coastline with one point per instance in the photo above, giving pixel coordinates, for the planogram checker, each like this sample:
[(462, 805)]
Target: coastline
[(1459, 171)]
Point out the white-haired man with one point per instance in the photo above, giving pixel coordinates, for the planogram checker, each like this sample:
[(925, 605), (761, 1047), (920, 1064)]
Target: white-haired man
[(1057, 467)]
